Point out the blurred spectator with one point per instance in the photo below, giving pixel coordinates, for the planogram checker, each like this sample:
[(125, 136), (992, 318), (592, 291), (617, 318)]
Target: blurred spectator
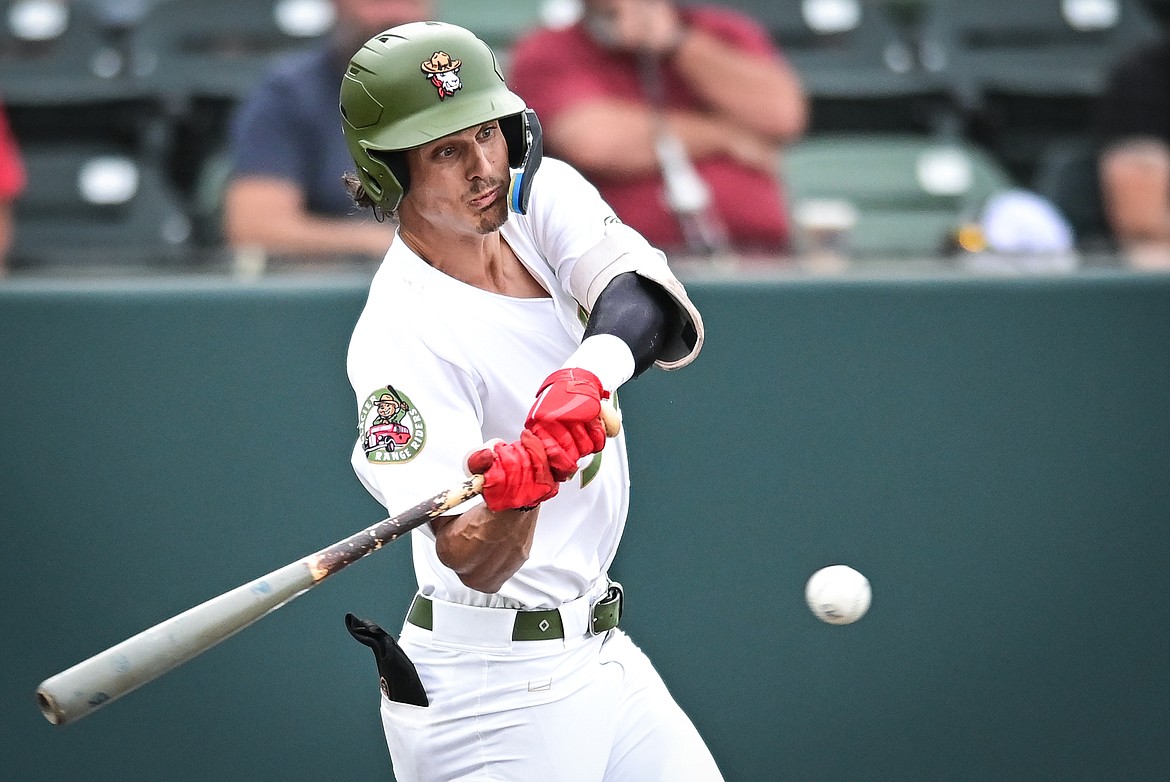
[(639, 90), (11, 185), (288, 153), (1134, 166)]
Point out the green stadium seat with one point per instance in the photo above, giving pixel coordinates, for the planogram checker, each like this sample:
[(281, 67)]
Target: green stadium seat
[(57, 51), (499, 24), (909, 194), (96, 205), (1067, 176), (1036, 48), (1025, 74), (831, 39), (220, 49), (854, 62), (207, 202)]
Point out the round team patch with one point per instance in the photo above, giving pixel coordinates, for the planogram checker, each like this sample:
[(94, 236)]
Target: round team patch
[(392, 429)]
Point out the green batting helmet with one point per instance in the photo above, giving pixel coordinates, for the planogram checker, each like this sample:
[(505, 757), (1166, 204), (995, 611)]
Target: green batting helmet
[(418, 82)]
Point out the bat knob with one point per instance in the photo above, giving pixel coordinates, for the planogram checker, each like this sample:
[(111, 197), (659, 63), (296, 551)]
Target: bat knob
[(49, 708), (611, 417)]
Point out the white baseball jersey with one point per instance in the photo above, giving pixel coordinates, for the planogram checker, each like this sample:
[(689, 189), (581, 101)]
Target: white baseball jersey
[(439, 367)]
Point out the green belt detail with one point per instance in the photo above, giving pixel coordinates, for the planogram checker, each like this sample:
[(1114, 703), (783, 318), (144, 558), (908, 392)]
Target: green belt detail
[(535, 625)]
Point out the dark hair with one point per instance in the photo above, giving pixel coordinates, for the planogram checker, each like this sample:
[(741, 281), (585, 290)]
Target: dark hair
[(357, 191)]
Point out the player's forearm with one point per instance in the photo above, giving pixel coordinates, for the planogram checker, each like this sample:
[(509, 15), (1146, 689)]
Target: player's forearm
[(760, 94), (485, 548)]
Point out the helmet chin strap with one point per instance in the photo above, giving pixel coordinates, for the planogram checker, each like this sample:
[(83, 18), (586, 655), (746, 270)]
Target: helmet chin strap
[(520, 188)]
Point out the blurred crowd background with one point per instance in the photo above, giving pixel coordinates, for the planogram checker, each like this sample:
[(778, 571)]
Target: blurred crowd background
[(935, 130)]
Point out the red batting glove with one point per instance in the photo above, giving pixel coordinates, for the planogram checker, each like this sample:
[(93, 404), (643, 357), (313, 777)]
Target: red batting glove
[(566, 418), (515, 475)]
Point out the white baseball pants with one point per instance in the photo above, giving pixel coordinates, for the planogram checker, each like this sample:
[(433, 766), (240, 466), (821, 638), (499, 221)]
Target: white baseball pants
[(591, 709)]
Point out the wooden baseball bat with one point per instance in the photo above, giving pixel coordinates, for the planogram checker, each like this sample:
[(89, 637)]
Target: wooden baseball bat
[(78, 691)]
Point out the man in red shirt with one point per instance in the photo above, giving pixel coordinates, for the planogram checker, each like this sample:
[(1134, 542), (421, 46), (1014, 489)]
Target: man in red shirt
[(634, 79), (11, 185)]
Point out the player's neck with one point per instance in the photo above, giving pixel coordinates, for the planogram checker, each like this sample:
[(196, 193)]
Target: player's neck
[(483, 261)]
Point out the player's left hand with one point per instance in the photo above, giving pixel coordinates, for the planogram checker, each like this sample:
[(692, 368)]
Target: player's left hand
[(566, 418), (516, 476)]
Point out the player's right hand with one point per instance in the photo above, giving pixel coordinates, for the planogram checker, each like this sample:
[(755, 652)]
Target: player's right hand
[(566, 418), (515, 475)]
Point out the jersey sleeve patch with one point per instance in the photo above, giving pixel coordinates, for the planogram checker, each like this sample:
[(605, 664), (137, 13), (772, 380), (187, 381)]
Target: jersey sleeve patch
[(392, 430)]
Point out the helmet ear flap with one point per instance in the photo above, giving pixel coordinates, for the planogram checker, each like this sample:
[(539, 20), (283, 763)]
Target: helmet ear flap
[(394, 161), (513, 129), (385, 177), (525, 151), (370, 183)]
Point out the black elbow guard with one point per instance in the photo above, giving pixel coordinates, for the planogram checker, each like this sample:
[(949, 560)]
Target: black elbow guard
[(638, 312)]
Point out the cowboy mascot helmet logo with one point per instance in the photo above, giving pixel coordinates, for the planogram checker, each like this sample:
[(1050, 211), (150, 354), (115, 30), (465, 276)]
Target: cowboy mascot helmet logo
[(443, 72)]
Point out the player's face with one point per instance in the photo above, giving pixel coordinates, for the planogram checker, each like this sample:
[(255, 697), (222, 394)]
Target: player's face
[(459, 183)]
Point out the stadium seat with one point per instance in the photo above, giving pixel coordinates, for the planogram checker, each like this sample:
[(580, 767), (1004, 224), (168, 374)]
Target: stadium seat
[(908, 194), (1067, 176), (1028, 73), (1160, 9), (53, 51), (220, 49), (96, 205), (499, 24), (854, 62), (207, 202), (1035, 48)]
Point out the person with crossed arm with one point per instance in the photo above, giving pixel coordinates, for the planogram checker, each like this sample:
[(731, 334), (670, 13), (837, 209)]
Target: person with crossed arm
[(632, 73)]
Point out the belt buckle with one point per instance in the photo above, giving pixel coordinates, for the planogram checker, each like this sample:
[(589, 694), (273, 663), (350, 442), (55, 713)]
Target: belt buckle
[(614, 594)]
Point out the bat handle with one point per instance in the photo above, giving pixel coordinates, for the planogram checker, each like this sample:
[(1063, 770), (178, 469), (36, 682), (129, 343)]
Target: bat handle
[(612, 418), (49, 707)]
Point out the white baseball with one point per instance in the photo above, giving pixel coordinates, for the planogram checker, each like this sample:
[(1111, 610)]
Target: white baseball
[(838, 594)]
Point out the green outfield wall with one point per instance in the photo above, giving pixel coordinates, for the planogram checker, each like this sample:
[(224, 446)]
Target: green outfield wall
[(994, 454)]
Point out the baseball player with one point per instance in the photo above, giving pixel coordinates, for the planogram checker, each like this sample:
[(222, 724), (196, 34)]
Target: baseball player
[(510, 305)]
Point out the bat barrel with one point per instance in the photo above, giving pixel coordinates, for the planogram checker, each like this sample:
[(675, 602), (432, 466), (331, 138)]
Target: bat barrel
[(107, 676)]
